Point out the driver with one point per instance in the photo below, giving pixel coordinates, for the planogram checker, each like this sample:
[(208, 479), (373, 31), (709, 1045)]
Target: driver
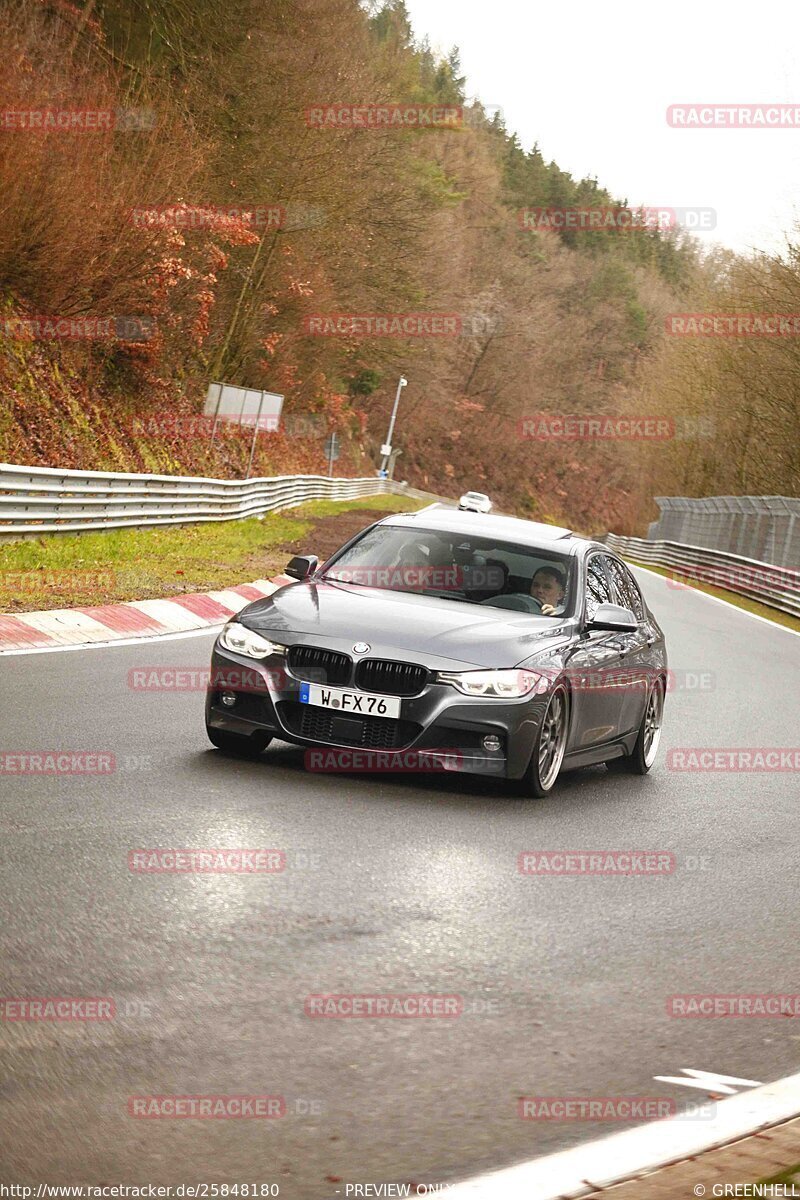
[(548, 588)]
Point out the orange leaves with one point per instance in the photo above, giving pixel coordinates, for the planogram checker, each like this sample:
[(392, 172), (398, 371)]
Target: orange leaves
[(217, 258), (271, 343), (465, 405)]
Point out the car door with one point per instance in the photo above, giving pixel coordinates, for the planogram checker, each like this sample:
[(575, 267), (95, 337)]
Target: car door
[(639, 663), (594, 664)]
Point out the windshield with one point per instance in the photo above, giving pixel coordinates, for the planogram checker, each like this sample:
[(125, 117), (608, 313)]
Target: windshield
[(474, 570)]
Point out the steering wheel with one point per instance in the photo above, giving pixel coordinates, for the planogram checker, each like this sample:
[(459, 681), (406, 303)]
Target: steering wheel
[(516, 600)]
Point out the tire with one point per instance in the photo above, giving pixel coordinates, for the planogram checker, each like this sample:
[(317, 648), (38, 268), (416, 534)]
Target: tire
[(549, 747), (645, 749), (237, 744)]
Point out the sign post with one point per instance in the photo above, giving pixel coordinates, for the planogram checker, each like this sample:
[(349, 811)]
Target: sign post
[(331, 451), (386, 448), (255, 435)]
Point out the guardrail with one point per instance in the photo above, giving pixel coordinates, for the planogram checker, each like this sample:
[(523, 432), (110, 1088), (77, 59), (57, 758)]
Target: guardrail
[(35, 500), (778, 587)]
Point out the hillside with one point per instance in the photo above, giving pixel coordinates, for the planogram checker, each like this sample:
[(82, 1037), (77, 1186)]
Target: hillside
[(229, 209)]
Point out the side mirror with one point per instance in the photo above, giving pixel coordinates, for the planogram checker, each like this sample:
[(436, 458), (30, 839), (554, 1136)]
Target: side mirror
[(302, 565), (613, 617)]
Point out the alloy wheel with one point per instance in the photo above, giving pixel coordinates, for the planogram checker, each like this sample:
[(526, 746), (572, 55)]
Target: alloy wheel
[(553, 740), (652, 724)]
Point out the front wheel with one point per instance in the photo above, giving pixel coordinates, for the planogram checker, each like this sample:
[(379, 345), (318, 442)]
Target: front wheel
[(645, 749), (237, 744), (549, 747)]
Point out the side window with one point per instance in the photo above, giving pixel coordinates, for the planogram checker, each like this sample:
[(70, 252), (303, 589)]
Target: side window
[(629, 594), (637, 604), (598, 590)]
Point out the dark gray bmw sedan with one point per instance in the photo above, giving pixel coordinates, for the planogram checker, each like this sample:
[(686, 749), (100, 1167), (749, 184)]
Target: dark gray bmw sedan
[(468, 642)]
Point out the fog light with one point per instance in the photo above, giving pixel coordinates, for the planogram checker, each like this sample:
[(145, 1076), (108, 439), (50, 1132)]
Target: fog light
[(228, 699), (491, 742)]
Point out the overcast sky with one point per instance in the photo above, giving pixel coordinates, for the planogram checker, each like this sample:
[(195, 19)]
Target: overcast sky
[(591, 82)]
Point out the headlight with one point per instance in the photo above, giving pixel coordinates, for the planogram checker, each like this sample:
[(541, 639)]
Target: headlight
[(241, 640), (504, 685)]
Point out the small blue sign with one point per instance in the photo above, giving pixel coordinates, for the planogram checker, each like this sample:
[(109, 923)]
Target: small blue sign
[(304, 698)]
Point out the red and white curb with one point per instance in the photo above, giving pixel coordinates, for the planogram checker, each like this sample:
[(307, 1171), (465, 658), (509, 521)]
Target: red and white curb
[(132, 620), (637, 1152)]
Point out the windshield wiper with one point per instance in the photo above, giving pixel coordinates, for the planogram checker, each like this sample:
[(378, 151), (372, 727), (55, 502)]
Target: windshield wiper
[(349, 582)]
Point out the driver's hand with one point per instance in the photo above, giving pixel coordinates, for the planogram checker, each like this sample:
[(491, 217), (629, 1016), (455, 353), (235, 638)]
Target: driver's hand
[(548, 609)]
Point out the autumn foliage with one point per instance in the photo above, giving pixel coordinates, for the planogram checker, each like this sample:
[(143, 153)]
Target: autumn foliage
[(209, 134)]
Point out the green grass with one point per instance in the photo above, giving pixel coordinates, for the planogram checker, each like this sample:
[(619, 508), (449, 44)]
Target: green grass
[(751, 606), (79, 570), (389, 504), (791, 1175)]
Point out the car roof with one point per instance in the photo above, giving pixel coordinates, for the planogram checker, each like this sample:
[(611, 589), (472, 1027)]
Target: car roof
[(513, 529)]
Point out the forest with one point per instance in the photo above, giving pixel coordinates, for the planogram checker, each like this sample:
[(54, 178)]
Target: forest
[(298, 196)]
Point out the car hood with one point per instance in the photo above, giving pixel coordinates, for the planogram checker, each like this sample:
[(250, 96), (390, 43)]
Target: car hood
[(436, 632)]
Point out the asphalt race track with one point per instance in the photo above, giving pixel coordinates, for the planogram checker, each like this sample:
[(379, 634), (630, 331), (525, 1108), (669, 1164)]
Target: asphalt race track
[(394, 884)]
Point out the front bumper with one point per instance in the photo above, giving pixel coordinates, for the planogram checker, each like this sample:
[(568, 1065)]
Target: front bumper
[(440, 724)]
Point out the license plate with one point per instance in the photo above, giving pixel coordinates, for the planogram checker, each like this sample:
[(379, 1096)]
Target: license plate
[(345, 701)]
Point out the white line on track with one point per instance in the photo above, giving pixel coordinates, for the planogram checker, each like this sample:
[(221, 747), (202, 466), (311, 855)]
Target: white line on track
[(708, 1081), (634, 1152)]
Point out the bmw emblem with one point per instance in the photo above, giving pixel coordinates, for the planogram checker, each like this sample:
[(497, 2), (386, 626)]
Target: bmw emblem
[(361, 648)]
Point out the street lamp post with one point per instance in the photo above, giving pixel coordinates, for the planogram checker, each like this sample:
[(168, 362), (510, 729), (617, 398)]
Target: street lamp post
[(386, 448)]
